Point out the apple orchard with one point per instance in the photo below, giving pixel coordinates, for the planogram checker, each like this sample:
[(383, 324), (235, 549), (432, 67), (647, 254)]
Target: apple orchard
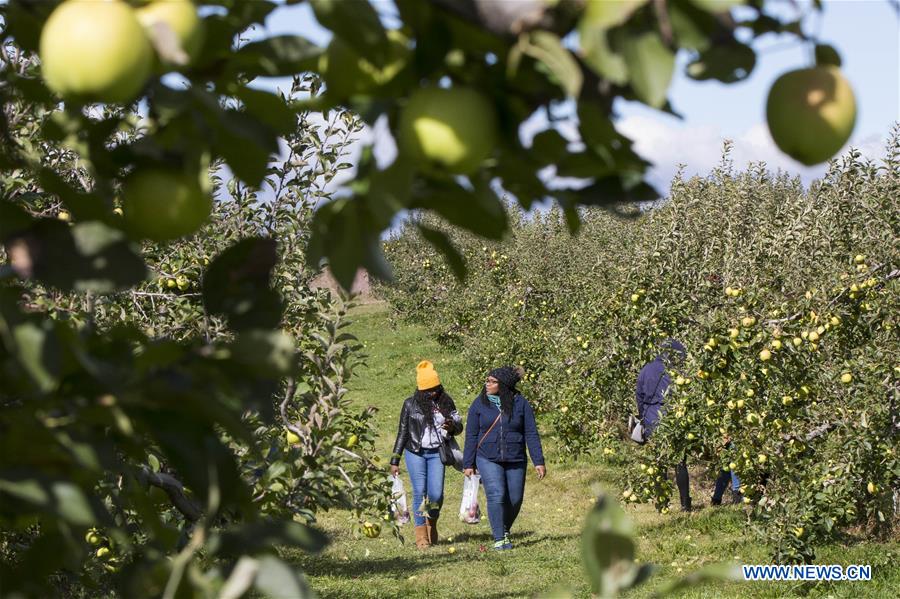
[(173, 401)]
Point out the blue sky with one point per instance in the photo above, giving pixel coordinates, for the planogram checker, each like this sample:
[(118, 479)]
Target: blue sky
[(866, 32)]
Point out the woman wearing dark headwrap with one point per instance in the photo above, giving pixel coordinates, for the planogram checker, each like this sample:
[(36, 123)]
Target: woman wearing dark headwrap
[(499, 426)]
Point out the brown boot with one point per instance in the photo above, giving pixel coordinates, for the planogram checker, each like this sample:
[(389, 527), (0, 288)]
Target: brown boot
[(431, 527), (422, 541)]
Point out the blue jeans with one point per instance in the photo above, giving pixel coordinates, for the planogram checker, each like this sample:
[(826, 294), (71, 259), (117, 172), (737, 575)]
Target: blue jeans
[(504, 487), (426, 475), (722, 482)]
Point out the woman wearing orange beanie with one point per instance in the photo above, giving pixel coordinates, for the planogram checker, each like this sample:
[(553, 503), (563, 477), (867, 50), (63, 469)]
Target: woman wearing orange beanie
[(426, 419)]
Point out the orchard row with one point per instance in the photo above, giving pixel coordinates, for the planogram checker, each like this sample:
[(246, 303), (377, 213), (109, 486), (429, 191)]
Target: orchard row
[(785, 297)]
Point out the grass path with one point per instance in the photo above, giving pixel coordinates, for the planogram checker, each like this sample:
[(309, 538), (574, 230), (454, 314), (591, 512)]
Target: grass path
[(547, 534)]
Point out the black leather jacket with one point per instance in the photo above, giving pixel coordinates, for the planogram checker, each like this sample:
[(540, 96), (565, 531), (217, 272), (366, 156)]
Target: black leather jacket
[(412, 428)]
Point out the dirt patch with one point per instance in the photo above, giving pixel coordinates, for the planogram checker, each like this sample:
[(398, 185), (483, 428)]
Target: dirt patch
[(361, 287)]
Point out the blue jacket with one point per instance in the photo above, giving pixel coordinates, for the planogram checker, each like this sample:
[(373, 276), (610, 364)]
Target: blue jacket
[(507, 440), (652, 383)]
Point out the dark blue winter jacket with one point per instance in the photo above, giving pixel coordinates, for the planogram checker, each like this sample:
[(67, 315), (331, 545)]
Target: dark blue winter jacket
[(507, 440), (652, 383)]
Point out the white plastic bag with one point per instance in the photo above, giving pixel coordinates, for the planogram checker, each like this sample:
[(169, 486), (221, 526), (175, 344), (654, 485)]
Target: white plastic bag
[(398, 500), (469, 511)]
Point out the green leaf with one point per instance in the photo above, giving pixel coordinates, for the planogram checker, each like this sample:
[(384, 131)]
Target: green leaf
[(23, 22), (347, 232), (247, 144), (442, 243), (357, 23), (278, 56), (84, 206), (263, 535), (602, 53), (12, 220), (617, 189), (268, 354), (38, 351), (650, 67), (89, 256), (604, 15), (549, 146), (711, 573), (726, 63), (547, 49), (479, 211), (607, 548), (269, 108), (59, 497), (693, 28), (237, 285), (275, 578), (827, 55), (717, 6)]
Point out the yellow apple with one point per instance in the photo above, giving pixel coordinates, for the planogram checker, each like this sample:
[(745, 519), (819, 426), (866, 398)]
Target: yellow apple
[(371, 529)]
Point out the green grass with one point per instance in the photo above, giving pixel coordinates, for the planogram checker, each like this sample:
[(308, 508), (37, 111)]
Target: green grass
[(547, 534)]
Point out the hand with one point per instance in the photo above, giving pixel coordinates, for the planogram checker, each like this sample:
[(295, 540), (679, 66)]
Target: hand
[(447, 425), (468, 472), (395, 470), (541, 471)]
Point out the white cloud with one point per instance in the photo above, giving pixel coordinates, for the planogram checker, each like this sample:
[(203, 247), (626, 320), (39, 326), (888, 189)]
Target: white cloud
[(699, 147)]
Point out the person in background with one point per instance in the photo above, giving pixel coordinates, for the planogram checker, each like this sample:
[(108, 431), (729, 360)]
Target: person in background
[(652, 385), (499, 427), (426, 419), (722, 483)]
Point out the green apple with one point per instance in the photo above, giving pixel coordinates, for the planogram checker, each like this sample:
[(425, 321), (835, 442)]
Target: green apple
[(811, 113), (448, 130), (95, 51), (163, 204), (178, 15)]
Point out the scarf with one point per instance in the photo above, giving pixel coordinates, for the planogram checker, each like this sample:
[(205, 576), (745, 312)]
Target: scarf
[(494, 399)]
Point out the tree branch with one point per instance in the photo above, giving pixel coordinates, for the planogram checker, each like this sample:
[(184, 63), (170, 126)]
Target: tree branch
[(509, 18), (174, 489)]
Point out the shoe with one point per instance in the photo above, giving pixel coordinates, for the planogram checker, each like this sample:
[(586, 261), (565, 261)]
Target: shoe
[(431, 527), (737, 498), (715, 501), (422, 541), (502, 545), (686, 507)]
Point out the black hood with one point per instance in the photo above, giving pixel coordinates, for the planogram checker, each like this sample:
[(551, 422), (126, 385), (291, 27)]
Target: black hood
[(673, 352)]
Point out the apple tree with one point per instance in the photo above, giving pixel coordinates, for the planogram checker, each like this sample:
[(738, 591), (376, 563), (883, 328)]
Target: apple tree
[(150, 379)]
